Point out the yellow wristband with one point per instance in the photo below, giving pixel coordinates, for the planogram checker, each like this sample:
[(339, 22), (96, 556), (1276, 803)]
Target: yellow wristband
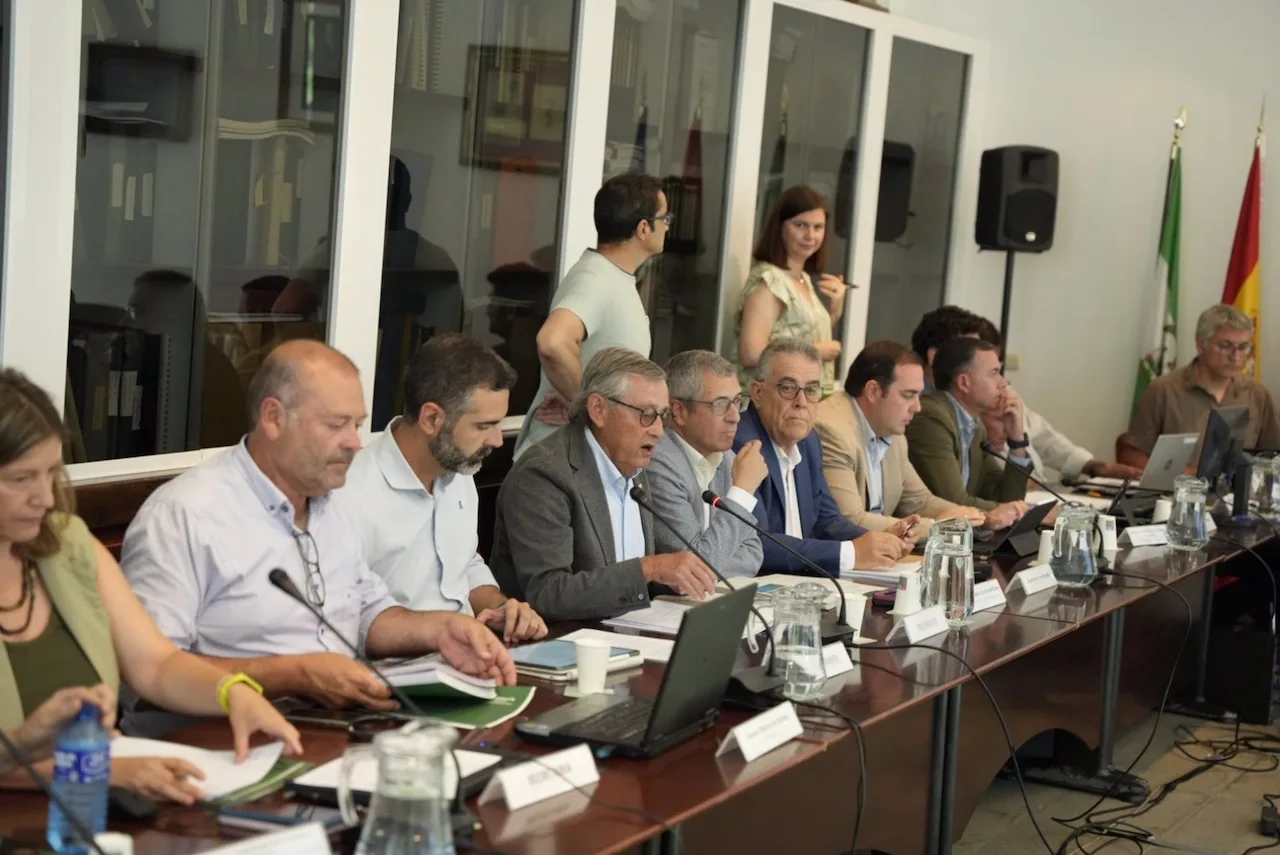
[(224, 688)]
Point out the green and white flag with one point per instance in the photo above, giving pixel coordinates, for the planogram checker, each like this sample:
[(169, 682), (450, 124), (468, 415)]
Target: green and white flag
[(1164, 333)]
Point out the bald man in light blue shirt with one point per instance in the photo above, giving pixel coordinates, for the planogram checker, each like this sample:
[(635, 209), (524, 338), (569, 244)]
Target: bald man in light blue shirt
[(200, 550)]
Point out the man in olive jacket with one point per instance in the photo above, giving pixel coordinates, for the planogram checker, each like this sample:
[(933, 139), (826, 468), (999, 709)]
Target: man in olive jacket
[(944, 439)]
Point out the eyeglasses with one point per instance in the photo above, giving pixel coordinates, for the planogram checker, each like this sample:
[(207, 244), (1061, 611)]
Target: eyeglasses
[(310, 555), (667, 218), (720, 406), (648, 415), (788, 389), (1226, 348)]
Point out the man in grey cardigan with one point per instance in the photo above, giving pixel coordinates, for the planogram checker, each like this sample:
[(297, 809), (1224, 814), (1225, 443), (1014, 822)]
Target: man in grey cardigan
[(569, 538), (694, 455)]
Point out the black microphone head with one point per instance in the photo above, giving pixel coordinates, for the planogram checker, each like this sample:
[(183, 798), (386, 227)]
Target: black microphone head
[(710, 497), (987, 447), (281, 580), (637, 494)]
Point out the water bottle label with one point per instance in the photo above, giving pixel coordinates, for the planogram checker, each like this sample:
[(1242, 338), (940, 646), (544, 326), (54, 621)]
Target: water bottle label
[(82, 767)]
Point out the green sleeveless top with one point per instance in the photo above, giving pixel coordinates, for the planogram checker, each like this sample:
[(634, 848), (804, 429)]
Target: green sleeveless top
[(49, 662), (71, 578)]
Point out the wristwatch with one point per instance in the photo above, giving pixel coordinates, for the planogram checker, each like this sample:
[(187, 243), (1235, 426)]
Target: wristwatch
[(1018, 444)]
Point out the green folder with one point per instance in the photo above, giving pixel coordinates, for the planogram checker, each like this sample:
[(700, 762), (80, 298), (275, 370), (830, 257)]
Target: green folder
[(440, 702)]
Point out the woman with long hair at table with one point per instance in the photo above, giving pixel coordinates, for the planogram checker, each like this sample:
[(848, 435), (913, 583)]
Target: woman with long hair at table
[(788, 292), (69, 618)]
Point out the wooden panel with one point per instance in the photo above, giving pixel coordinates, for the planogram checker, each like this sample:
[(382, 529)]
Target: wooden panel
[(109, 508)]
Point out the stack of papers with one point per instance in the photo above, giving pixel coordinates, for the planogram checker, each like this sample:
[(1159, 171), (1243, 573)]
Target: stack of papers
[(661, 618), (364, 771), (888, 577), (430, 676), (222, 774), (652, 649)]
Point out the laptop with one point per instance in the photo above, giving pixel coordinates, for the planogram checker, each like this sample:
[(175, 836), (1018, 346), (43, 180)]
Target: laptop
[(688, 701), (1168, 460), (1021, 538)]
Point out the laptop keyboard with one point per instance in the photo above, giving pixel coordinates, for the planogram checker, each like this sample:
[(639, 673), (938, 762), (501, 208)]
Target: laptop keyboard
[(624, 722)]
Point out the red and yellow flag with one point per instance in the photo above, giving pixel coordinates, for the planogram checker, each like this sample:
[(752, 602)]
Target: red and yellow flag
[(1243, 288)]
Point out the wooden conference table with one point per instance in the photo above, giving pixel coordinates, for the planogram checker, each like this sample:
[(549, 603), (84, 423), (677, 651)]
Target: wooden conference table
[(1087, 663)]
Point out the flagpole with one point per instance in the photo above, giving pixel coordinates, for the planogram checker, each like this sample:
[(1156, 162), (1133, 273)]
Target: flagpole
[(1179, 124)]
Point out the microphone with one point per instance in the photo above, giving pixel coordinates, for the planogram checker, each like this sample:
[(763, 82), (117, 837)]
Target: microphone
[(281, 580), (20, 756), (831, 631), (991, 449), (754, 681)]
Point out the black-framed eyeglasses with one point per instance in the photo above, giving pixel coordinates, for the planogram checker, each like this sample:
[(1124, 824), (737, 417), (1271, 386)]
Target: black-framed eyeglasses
[(788, 389), (648, 415), (720, 406), (667, 218), (310, 555), (1226, 348)]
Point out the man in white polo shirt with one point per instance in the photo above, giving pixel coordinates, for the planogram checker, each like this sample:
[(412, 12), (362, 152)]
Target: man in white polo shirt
[(415, 494)]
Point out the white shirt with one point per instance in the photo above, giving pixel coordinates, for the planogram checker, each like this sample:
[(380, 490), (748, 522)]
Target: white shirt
[(200, 549), (705, 468), (422, 543), (624, 514), (877, 448), (788, 462), (604, 297)]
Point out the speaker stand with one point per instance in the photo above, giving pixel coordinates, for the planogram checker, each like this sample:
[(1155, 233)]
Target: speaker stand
[(1004, 307)]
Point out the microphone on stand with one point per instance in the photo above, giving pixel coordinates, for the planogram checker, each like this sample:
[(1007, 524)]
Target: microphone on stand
[(991, 449), (830, 631), (21, 758), (279, 578), (753, 681)]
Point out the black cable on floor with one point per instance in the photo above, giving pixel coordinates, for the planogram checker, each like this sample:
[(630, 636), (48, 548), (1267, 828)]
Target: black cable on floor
[(856, 727)]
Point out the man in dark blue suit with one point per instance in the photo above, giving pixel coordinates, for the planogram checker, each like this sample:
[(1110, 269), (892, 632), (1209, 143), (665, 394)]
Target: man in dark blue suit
[(794, 502)]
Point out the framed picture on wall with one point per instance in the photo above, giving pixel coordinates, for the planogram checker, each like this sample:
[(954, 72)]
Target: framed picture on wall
[(515, 108)]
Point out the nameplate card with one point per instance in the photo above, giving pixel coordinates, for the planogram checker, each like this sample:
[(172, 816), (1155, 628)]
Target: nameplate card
[(836, 659), (1145, 535), (537, 780), (303, 840), (1033, 580), (925, 623), (987, 595), (762, 733), (1209, 525)]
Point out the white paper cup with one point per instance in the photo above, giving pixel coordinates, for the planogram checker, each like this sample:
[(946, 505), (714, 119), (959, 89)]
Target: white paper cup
[(593, 665), (907, 599), (1163, 510), (1046, 547)]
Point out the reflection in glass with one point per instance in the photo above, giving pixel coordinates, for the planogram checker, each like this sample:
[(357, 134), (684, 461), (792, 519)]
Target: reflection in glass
[(204, 194), (917, 187), (669, 110), (813, 103), (474, 183)]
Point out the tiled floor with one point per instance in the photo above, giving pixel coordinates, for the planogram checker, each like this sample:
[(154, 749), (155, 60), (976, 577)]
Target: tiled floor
[(1217, 811)]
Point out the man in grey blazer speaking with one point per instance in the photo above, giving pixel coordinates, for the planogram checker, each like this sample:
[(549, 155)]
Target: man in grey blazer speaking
[(694, 455), (569, 539)]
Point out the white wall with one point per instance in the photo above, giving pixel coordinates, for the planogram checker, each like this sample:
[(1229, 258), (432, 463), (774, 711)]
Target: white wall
[(1101, 82)]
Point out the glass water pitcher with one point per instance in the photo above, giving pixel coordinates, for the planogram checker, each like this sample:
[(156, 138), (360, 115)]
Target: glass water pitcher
[(1186, 527), (1073, 562), (797, 617)]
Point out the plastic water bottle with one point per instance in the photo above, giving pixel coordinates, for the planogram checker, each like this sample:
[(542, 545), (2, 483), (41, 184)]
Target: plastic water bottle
[(81, 776)]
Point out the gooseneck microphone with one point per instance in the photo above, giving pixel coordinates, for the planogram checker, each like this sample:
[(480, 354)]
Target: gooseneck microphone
[(991, 449), (21, 758), (755, 681), (831, 631), (281, 580)]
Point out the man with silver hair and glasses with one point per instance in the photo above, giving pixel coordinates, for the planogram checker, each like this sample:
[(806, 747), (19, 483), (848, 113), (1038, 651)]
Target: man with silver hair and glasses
[(569, 538), (794, 501), (1179, 401), (695, 455), (416, 496)]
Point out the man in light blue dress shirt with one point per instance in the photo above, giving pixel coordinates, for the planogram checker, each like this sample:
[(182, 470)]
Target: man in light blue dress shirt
[(414, 491), (200, 549), (569, 537)]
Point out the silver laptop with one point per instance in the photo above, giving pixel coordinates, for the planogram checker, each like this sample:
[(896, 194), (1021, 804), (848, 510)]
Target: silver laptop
[(1169, 459)]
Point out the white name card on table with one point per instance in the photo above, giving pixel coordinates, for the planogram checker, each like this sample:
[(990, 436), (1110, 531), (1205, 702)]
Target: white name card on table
[(1033, 580), (987, 595), (925, 623), (836, 659), (1209, 525), (1145, 535), (306, 839), (537, 780), (762, 733)]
